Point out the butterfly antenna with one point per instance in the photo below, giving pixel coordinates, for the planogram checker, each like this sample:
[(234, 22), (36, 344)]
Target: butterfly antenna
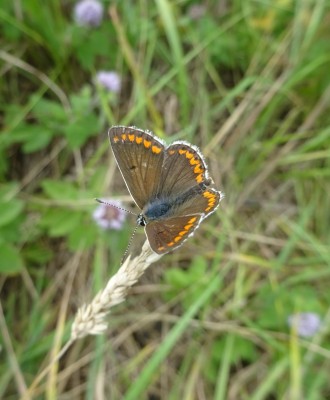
[(135, 229), (115, 206), (129, 245)]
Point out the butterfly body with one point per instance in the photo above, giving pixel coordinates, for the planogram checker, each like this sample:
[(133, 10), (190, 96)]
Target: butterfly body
[(158, 209), (170, 185), (166, 207)]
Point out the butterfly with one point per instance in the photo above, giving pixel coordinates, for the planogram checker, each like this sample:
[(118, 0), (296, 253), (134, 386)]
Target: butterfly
[(170, 185)]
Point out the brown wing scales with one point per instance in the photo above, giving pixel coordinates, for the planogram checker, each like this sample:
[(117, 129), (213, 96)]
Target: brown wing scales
[(183, 168), (140, 158), (166, 235)]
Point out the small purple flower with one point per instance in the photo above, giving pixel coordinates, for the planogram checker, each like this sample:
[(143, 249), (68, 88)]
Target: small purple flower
[(110, 80), (108, 217), (306, 324), (88, 13)]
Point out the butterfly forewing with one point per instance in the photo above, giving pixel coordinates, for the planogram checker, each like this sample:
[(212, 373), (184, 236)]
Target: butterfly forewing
[(139, 156), (169, 234)]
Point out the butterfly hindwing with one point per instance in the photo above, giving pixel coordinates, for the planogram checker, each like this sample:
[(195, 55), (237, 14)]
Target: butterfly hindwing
[(168, 234), (203, 202)]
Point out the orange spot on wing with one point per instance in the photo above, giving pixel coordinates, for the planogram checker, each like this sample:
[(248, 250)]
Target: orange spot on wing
[(171, 152), (211, 200), (187, 227), (199, 178), (177, 239), (182, 151), (198, 169), (124, 136), (116, 139), (138, 140), (192, 220), (156, 149), (208, 195), (189, 155), (170, 244), (147, 143), (161, 248), (131, 137), (194, 161)]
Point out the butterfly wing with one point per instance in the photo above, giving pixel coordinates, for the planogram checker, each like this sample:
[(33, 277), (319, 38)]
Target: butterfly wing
[(186, 182), (139, 156), (201, 202), (183, 168), (166, 235)]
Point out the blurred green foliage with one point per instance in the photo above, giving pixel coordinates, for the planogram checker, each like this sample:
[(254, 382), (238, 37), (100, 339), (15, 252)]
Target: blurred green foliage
[(249, 82)]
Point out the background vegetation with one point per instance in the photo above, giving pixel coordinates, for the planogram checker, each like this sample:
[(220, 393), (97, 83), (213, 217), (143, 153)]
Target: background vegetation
[(247, 81)]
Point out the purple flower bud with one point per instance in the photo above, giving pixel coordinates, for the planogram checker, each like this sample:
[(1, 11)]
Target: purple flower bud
[(88, 13), (306, 324), (110, 80), (108, 217)]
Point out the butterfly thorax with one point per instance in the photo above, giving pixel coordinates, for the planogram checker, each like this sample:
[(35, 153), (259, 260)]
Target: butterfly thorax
[(157, 209), (154, 210)]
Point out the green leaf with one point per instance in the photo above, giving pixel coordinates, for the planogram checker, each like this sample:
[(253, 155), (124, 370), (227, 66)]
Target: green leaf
[(8, 190), (176, 278), (243, 350), (181, 279), (81, 102), (59, 190), (9, 210), (38, 253), (97, 178), (12, 232), (10, 259), (189, 283), (4, 164), (78, 131), (48, 110), (83, 235), (61, 222), (33, 137), (37, 142), (94, 43), (275, 305)]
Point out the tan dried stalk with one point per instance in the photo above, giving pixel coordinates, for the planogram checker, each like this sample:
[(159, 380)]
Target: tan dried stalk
[(90, 318)]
